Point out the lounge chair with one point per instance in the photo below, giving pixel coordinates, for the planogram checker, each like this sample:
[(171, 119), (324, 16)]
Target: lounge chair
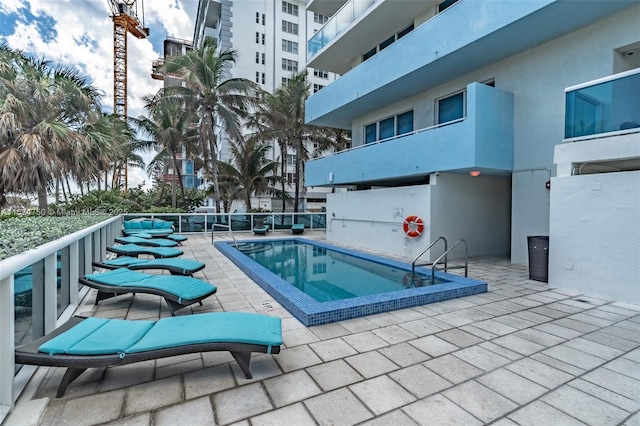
[(178, 291), (259, 228), (83, 343), (297, 228), (151, 242), (155, 227), (174, 237), (134, 250), (175, 266)]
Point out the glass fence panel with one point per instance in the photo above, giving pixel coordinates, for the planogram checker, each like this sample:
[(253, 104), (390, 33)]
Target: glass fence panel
[(282, 221), (606, 107), (28, 301), (62, 280)]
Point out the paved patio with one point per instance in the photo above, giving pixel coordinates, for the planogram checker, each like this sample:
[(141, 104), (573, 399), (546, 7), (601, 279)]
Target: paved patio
[(521, 354)]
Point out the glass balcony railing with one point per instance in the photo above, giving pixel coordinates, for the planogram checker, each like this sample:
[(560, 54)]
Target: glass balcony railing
[(603, 106), (337, 25)]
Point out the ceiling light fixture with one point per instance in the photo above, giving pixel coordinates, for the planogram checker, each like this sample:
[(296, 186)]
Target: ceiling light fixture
[(474, 173)]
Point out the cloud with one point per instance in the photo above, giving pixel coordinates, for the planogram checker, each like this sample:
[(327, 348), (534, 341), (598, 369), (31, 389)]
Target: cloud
[(80, 33)]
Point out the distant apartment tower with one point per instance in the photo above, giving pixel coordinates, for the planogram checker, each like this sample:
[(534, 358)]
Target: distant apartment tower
[(270, 38), (174, 47)]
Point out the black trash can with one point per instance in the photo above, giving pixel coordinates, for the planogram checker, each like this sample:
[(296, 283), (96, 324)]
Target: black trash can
[(538, 258)]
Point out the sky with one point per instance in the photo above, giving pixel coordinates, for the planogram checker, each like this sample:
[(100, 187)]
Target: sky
[(80, 33)]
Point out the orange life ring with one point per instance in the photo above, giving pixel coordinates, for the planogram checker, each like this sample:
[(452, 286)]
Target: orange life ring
[(413, 226)]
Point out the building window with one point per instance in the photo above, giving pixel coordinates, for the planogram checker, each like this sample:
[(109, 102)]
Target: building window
[(257, 17), (445, 5), (289, 46), (319, 18), (317, 87), (263, 20), (262, 38), (450, 108), (321, 73), (405, 32), (319, 268), (291, 9), (291, 159), (258, 38), (263, 78), (257, 57), (257, 77), (263, 57), (291, 178), (369, 53), (289, 27), (389, 127), (388, 42), (289, 65), (285, 80)]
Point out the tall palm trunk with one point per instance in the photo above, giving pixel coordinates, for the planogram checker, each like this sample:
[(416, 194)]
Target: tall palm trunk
[(179, 174)]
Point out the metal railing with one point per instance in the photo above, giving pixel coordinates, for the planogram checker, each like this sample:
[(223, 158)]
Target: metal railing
[(444, 255), (48, 294), (415, 259)]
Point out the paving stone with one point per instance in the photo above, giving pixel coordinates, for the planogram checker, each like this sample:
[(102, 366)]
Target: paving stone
[(93, 409), (611, 316), (512, 386), (438, 410), (495, 327), (291, 359), (540, 373), (384, 319), (297, 337), (339, 407), (574, 357), (557, 330), (539, 337), (480, 401), (409, 314), (291, 387), (583, 327), (394, 334), (517, 344), (589, 319), (27, 413), (623, 333), (197, 411), (548, 312), (453, 369), (478, 332), (593, 348), (365, 341), (295, 414), (371, 364), (633, 355), (179, 368), (404, 354), (381, 394), (526, 302), (633, 420), (262, 367), (604, 394), (538, 413), (329, 331), (240, 403), (560, 365), (625, 366), (631, 325), (127, 375), (334, 374), (420, 381), (143, 419), (584, 407), (500, 350), (357, 325), (396, 417), (208, 381), (481, 358), (332, 349), (422, 328), (459, 338), (433, 345), (515, 322), (153, 395), (540, 297), (532, 316)]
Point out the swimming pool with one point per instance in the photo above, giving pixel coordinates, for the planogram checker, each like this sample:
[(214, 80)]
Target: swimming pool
[(373, 284)]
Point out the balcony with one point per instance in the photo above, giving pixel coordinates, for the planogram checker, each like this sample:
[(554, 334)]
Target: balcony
[(429, 56), (325, 7), (603, 120), (482, 140)]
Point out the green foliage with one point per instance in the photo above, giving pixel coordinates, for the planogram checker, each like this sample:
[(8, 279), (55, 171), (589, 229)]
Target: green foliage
[(23, 233), (135, 200)]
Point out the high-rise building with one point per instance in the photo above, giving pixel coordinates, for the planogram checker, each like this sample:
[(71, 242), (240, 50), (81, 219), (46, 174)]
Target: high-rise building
[(270, 38), (492, 121)]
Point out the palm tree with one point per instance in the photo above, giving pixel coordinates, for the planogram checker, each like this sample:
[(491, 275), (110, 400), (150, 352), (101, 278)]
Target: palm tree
[(42, 109), (169, 125), (221, 103), (252, 172)]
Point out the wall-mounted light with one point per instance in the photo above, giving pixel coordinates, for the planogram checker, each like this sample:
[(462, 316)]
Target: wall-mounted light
[(475, 173)]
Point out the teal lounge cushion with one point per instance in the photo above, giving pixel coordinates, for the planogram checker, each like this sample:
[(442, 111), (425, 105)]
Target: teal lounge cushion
[(125, 261), (145, 235), (156, 251), (297, 226), (175, 263), (22, 284), (60, 344), (234, 327), (155, 242), (182, 287), (161, 224), (132, 225), (177, 237)]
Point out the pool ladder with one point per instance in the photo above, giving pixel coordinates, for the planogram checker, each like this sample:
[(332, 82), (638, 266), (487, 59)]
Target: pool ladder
[(443, 256), (219, 225)]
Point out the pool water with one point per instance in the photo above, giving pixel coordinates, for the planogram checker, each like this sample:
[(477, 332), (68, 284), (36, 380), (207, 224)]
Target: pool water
[(326, 274), (318, 283)]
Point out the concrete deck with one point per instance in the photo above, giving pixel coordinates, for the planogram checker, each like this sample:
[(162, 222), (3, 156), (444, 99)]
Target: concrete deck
[(521, 354)]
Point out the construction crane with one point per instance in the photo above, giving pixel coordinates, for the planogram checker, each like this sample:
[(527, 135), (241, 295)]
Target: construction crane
[(124, 14)]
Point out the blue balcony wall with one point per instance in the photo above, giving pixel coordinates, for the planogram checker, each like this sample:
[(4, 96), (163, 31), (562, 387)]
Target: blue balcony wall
[(483, 140), (486, 31)]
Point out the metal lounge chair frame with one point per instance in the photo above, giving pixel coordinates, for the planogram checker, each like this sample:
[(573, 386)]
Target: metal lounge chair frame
[(77, 364), (174, 301), (174, 265), (150, 242)]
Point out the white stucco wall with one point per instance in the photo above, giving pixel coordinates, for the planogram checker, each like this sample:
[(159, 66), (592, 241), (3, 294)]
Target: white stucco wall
[(594, 241), (454, 206)]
